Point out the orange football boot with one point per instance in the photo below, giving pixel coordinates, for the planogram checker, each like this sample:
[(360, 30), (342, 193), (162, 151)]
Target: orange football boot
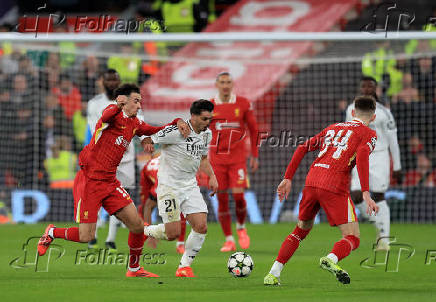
[(140, 273), (244, 239), (45, 241), (228, 246), (185, 272)]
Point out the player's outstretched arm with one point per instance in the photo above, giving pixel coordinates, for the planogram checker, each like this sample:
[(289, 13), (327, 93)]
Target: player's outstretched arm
[(146, 129), (206, 167)]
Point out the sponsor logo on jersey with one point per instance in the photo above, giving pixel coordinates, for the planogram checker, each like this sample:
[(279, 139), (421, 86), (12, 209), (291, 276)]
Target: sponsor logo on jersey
[(322, 166), (121, 141), (196, 148)]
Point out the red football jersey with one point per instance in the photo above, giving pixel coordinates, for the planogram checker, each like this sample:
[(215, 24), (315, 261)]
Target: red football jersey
[(149, 178), (341, 146), (113, 133), (229, 124)]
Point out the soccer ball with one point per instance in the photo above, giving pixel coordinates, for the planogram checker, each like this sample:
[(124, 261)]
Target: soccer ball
[(240, 264)]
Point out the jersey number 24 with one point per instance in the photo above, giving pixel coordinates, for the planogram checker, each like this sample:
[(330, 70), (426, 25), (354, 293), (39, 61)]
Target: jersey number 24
[(335, 140)]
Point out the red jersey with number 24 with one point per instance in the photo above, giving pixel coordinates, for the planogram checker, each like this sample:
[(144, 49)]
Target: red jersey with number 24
[(341, 146)]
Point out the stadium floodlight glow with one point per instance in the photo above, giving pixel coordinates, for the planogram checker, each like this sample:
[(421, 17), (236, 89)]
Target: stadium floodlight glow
[(218, 36)]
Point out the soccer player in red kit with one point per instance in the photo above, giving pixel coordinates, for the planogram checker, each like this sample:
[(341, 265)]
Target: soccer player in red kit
[(341, 146), (96, 186), (232, 115), (149, 201)]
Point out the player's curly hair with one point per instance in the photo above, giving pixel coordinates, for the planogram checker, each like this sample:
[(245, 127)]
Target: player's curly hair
[(201, 105), (126, 89)]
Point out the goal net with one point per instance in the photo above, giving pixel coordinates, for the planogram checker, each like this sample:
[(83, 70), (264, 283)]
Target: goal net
[(297, 88)]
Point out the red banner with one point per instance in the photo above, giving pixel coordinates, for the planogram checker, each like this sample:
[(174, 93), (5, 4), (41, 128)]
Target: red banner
[(255, 66)]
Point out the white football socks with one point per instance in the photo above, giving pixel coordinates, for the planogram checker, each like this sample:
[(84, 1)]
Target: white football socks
[(276, 269), (230, 238), (156, 231), (383, 220), (333, 257), (192, 247), (113, 228), (240, 226)]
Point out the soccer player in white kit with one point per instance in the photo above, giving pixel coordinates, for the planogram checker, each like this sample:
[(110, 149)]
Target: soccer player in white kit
[(379, 163), (126, 169), (177, 189)]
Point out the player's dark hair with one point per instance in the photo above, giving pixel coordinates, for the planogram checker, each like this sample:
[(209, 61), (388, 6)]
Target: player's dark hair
[(201, 105), (224, 73), (126, 89), (365, 104), (368, 78), (109, 71)]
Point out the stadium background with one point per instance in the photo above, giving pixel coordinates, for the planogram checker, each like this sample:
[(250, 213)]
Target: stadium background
[(297, 88)]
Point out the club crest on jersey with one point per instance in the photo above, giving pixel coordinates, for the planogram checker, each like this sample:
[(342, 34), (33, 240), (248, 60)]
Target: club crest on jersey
[(121, 141), (237, 112)]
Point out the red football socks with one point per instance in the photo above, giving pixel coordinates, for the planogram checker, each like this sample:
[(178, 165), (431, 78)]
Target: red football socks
[(343, 247), (290, 244), (241, 207), (136, 242), (182, 228), (224, 214), (70, 234)]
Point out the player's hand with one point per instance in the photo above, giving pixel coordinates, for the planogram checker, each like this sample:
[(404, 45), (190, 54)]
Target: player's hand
[(183, 128), (152, 242), (283, 189), (147, 145), (254, 164), (372, 207), (398, 176), (121, 100), (213, 185)]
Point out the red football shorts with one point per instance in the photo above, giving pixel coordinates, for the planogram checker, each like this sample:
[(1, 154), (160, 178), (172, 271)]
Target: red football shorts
[(231, 175), (338, 207), (90, 195)]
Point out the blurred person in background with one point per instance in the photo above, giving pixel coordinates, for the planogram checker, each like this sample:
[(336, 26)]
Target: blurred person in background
[(379, 163)]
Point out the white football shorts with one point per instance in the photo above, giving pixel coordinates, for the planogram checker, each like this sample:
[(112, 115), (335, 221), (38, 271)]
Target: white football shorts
[(173, 201), (379, 173)]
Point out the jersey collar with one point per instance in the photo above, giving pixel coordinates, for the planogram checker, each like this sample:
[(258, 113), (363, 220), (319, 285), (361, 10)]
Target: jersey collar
[(358, 120), (231, 101)]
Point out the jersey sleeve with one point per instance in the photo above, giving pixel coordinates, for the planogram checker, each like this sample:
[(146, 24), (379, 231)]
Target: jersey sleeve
[(391, 134), (146, 129), (362, 159), (312, 144), (250, 121), (109, 113), (167, 135)]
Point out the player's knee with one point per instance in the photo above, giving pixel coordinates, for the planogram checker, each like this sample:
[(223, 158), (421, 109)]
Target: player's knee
[(201, 228), (355, 241)]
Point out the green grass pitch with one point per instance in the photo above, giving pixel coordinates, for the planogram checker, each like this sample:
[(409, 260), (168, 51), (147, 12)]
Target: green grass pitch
[(402, 277)]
